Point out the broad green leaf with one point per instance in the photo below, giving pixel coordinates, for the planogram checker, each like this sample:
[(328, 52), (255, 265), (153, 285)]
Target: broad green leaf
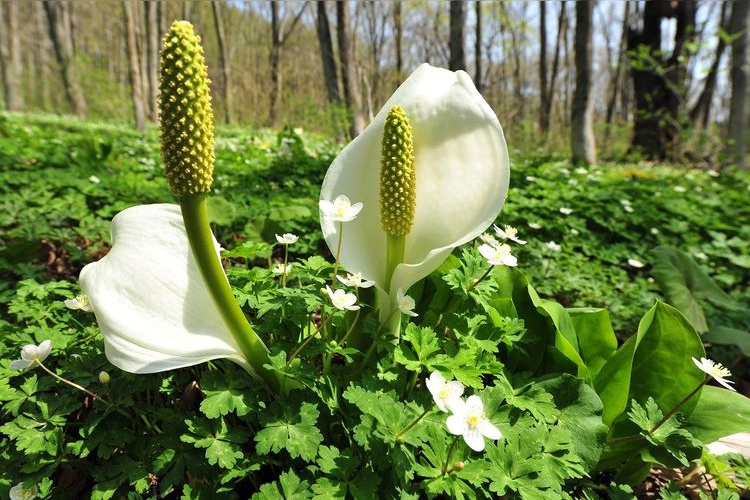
[(685, 285), (288, 487), (654, 362), (719, 412), (221, 211), (596, 338), (294, 431), (729, 336)]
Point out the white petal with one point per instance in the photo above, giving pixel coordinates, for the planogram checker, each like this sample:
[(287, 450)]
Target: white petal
[(44, 349), (20, 364), (149, 297), (461, 164), (475, 440), (488, 430), (29, 352), (456, 424)]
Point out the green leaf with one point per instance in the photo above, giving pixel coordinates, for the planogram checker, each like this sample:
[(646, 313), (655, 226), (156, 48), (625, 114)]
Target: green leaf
[(729, 336), (654, 362), (288, 487), (419, 348), (719, 412), (685, 285), (221, 211), (291, 428), (669, 438), (226, 394), (596, 338), (221, 443)]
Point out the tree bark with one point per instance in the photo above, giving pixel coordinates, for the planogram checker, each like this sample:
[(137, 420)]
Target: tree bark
[(616, 80), (544, 105), (278, 37), (134, 67), (478, 45), (62, 43), (399, 34), (582, 132), (562, 29), (738, 114), (151, 80), (224, 65), (456, 39), (330, 74), (659, 83), (350, 82), (11, 57), (701, 112)]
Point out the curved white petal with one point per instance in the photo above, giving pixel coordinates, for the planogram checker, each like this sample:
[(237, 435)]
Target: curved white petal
[(488, 430), (462, 171), (474, 440), (149, 297)]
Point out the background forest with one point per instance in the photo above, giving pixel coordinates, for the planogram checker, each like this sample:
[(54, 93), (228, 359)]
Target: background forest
[(664, 79)]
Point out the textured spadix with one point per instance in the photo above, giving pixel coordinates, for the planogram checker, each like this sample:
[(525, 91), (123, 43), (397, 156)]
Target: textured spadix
[(461, 166), (149, 298)]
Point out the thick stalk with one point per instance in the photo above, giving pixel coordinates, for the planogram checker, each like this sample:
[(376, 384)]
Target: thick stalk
[(195, 216)]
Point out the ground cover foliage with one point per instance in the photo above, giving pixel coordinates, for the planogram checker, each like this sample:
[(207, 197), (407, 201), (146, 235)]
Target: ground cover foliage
[(208, 431)]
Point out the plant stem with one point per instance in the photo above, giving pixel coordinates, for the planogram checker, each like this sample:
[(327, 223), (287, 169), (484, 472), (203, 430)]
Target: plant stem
[(307, 341), (448, 456), (338, 253), (195, 216), (411, 425), (678, 406), (475, 283)]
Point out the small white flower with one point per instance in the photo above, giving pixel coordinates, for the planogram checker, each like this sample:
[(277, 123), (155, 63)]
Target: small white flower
[(573, 182), (443, 392), (81, 302), (18, 492), (340, 209), (342, 300), (508, 233), (282, 268), (566, 210), (534, 225), (564, 171), (575, 232), (553, 246), (94, 179), (581, 171), (287, 238), (700, 255), (489, 239), (715, 371), (498, 255), (355, 280), (635, 263), (468, 420), (628, 208), (654, 231), (679, 189), (405, 303), (530, 178), (298, 130), (31, 355)]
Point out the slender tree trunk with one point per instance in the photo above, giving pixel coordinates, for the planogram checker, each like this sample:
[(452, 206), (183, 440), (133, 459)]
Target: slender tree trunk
[(327, 58), (738, 115), (562, 29), (134, 67), (478, 45), (62, 43), (10, 43), (582, 132), (456, 40), (543, 90), (701, 112), (399, 35), (278, 37), (187, 10), (152, 58), (224, 66), (348, 65), (616, 79)]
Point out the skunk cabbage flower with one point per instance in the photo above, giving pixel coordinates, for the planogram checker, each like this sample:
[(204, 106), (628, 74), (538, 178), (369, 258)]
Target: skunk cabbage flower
[(460, 162), (151, 303)]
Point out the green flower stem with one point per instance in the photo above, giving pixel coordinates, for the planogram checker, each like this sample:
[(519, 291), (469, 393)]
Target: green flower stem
[(476, 282), (448, 456), (338, 253), (307, 340), (286, 259), (411, 425), (679, 405), (395, 250), (195, 215)]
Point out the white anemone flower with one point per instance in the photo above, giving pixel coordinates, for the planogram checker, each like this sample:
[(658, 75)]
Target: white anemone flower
[(715, 371), (149, 298), (340, 209), (355, 280), (636, 263), (509, 233), (282, 269), (461, 167), (342, 300), (553, 246), (405, 303), (468, 420), (31, 355), (444, 392), (18, 492), (566, 210), (287, 238), (79, 302), (498, 255)]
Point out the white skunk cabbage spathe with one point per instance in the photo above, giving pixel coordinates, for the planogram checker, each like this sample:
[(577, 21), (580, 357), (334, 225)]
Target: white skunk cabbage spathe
[(462, 171), (149, 298)]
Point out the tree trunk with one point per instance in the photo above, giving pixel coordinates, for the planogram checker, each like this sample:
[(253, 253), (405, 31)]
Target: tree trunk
[(582, 132), (328, 61), (456, 40), (738, 74), (224, 67), (616, 80), (62, 43), (348, 65), (134, 67), (701, 112), (562, 29), (478, 45), (544, 105), (151, 82), (659, 82), (278, 37), (398, 28), (10, 44)]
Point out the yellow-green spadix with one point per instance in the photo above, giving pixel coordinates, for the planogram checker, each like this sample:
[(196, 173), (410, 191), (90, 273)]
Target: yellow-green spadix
[(461, 178)]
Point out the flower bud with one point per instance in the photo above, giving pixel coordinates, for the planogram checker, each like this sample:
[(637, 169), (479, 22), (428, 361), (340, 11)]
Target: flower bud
[(186, 118), (397, 176), (104, 377)]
